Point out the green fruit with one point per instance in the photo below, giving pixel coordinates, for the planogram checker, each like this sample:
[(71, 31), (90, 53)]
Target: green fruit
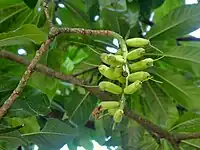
[(113, 60), (109, 73), (141, 65), (136, 53), (118, 116), (109, 104), (132, 88), (121, 79), (137, 42), (141, 76), (110, 87), (112, 111), (119, 52)]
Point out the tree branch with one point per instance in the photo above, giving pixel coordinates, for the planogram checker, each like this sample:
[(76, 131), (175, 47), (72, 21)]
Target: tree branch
[(84, 71), (54, 74), (148, 125), (153, 128)]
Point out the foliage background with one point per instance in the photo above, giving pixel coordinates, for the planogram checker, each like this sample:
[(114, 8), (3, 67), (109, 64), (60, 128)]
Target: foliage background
[(54, 112)]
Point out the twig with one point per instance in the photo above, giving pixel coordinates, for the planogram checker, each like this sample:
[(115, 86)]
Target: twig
[(45, 6), (149, 126), (84, 71), (54, 74), (8, 103)]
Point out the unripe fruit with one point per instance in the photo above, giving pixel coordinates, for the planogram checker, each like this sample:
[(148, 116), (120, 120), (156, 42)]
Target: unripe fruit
[(119, 52), (112, 111), (137, 42), (141, 65), (109, 104), (132, 88), (118, 116), (136, 53), (121, 79), (109, 73), (113, 60), (110, 87), (141, 76)]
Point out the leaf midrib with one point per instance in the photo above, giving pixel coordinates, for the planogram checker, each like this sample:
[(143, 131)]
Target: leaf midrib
[(171, 56), (173, 85), (158, 100), (182, 123)]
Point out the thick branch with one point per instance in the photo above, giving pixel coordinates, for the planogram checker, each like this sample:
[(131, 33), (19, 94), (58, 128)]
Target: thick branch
[(153, 128), (8, 103), (54, 74)]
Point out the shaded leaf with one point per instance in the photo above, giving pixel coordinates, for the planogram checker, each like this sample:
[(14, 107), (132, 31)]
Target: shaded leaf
[(31, 4), (185, 92), (22, 35), (55, 134)]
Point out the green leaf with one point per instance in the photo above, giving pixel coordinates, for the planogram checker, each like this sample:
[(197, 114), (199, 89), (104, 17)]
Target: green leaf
[(31, 3), (30, 124), (183, 57), (13, 138), (78, 106), (67, 66), (26, 33), (36, 100), (38, 81), (132, 136), (179, 22), (188, 122), (166, 8), (185, 92), (190, 144), (55, 134)]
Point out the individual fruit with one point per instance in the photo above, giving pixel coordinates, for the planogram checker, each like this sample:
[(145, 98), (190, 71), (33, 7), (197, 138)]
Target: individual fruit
[(121, 79), (110, 87), (141, 65), (112, 111), (137, 42), (140, 75), (113, 60), (136, 53), (109, 73), (132, 88), (109, 104), (118, 116)]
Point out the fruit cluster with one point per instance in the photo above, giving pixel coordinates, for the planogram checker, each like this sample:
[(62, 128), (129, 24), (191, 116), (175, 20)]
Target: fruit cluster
[(114, 69)]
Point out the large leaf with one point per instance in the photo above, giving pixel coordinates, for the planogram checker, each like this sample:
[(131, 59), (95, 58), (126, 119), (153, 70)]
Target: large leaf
[(30, 124), (188, 122), (15, 13), (55, 134), (166, 8), (190, 144), (132, 136), (78, 104), (183, 57), (26, 33), (183, 91), (31, 3), (179, 22)]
